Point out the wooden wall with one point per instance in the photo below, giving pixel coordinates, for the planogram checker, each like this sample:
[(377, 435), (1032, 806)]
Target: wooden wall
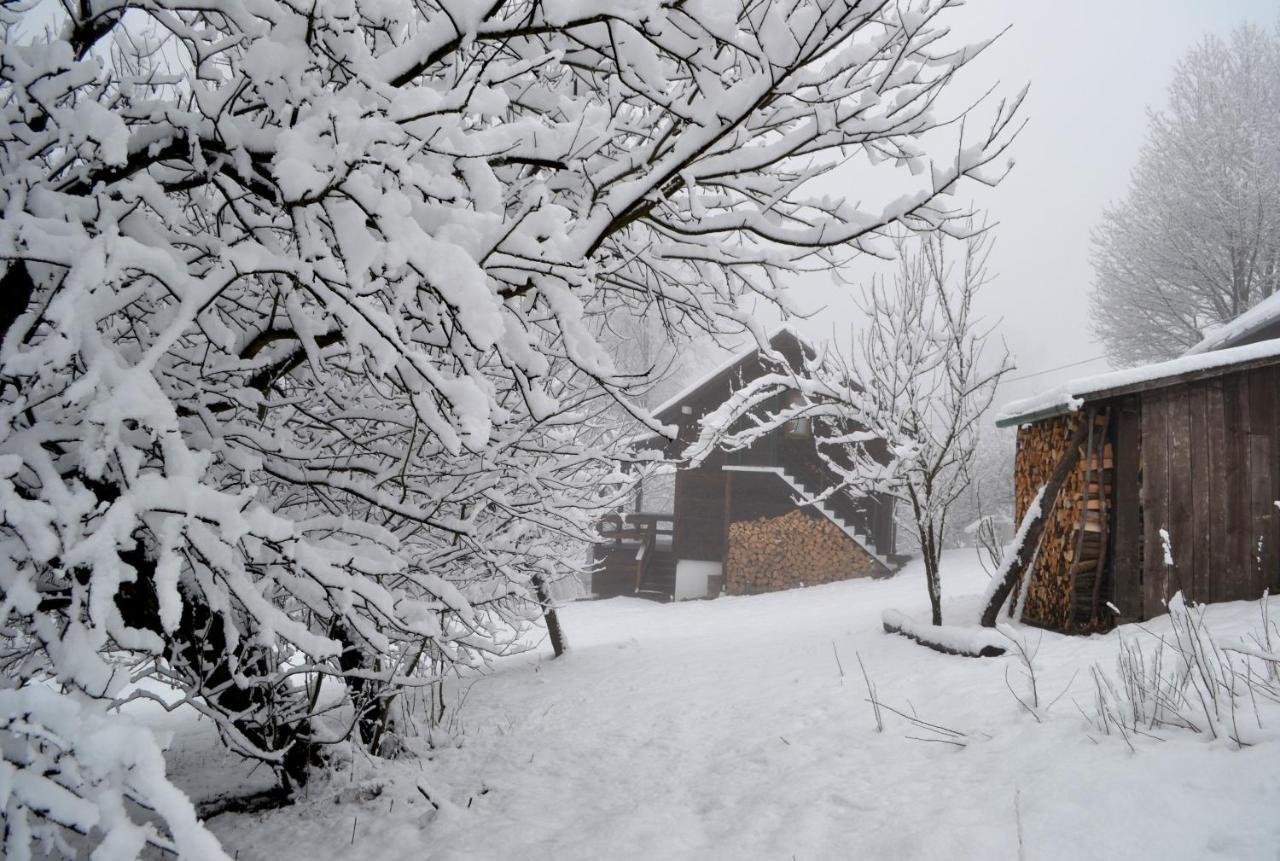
[(615, 570), (700, 512), (1124, 576), (1209, 477), (1200, 460), (753, 495)]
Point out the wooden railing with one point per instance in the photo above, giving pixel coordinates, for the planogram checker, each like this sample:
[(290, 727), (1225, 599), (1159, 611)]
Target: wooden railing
[(639, 528)]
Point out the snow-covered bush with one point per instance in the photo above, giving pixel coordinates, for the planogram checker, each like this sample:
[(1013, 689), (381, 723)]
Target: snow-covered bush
[(300, 374)]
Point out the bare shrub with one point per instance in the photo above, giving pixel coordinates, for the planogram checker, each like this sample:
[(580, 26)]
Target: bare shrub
[(1188, 680)]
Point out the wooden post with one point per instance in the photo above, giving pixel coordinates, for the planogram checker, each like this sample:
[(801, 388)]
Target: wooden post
[(553, 630), (1017, 565), (1104, 512), (728, 519)]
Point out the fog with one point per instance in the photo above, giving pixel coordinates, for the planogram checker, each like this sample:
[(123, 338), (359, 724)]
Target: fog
[(1094, 69)]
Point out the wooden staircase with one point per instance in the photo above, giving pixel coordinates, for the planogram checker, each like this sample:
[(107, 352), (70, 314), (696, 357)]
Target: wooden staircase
[(657, 578), (851, 517), (637, 555)]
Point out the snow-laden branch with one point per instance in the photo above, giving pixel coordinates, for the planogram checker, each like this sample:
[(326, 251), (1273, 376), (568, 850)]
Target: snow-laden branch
[(305, 363)]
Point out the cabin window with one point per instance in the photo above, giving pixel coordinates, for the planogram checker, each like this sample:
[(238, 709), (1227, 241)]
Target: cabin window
[(798, 427)]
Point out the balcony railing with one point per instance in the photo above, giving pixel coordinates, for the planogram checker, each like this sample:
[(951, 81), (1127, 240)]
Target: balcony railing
[(641, 530), (635, 528)]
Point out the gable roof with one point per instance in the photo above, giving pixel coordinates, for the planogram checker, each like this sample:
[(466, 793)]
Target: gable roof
[(1070, 396), (780, 338), (1261, 322)]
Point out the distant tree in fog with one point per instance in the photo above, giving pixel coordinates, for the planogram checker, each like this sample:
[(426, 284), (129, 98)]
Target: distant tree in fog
[(1196, 240)]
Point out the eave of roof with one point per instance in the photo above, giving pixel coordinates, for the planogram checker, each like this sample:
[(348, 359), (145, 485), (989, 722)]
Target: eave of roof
[(1070, 396)]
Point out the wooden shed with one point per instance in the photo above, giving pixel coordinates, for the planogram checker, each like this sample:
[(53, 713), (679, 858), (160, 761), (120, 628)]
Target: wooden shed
[(737, 524), (1173, 486)]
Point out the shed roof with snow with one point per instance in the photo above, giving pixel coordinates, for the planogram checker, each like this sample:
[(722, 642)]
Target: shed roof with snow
[(1187, 368), (1259, 323)]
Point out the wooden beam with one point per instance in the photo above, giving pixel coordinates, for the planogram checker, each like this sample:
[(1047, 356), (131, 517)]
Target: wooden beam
[(728, 519), (1017, 564), (940, 638)]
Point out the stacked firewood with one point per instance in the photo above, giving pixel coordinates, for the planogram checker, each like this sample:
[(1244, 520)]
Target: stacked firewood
[(796, 549), (1062, 584)]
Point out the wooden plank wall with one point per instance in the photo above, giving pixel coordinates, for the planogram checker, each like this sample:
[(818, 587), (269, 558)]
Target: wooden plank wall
[(760, 494), (1209, 478), (699, 531), (615, 572), (1125, 576)]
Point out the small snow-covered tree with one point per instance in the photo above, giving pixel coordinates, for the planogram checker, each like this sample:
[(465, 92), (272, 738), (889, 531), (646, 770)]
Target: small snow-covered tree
[(920, 382), (898, 414), (1196, 240), (301, 373)]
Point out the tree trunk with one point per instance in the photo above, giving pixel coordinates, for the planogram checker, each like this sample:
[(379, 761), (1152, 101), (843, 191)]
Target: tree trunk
[(932, 574), (558, 644), (199, 653), (17, 288), (935, 590), (364, 692)]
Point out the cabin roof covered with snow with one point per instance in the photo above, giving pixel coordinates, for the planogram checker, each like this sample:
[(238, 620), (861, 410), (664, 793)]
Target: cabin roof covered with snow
[(783, 339), (1070, 396), (777, 339), (1259, 323)]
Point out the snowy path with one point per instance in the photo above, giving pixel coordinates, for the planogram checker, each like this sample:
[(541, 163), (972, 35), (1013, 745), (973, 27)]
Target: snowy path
[(724, 730)]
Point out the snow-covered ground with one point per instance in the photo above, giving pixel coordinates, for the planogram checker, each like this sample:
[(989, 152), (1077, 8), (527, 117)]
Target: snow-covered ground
[(739, 728)]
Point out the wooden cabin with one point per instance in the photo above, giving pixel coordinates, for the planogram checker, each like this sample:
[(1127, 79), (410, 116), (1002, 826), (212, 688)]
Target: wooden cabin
[(1174, 486), (736, 523)]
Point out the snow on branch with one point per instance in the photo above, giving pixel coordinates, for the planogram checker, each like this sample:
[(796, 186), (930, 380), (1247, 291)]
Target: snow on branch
[(71, 768), (303, 360)]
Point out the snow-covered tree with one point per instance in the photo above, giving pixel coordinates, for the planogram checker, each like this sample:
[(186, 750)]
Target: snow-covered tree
[(300, 367), (899, 413), (1196, 240), (921, 381)]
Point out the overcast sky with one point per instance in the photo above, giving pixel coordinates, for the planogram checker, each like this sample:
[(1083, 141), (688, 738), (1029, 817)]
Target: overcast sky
[(1094, 67)]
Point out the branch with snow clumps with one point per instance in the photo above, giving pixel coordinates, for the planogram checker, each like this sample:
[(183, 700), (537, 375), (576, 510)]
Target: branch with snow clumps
[(69, 765)]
